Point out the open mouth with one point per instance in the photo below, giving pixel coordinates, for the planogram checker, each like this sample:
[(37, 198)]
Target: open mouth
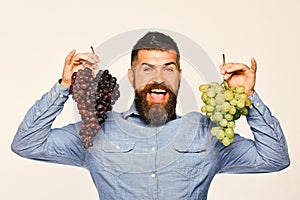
[(158, 95), (158, 91)]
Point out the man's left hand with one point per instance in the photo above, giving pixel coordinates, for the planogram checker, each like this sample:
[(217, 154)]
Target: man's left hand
[(236, 74)]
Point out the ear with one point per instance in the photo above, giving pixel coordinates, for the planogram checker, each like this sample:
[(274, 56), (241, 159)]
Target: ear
[(130, 75), (180, 73)]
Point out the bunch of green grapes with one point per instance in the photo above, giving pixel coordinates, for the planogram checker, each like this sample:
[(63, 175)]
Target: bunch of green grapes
[(224, 105)]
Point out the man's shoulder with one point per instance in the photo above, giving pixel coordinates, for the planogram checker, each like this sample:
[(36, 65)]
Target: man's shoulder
[(113, 115)]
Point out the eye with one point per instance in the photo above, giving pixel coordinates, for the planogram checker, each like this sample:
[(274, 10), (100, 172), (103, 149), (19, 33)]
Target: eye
[(169, 69), (147, 69)]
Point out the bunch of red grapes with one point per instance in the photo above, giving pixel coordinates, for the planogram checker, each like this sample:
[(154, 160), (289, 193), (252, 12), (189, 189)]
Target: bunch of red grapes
[(94, 97)]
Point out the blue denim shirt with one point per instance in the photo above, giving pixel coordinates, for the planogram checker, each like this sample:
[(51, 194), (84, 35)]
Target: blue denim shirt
[(132, 160)]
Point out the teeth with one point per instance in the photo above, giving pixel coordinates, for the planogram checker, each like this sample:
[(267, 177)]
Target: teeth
[(158, 90)]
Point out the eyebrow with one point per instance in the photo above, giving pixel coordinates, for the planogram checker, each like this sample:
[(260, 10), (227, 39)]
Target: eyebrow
[(166, 64)]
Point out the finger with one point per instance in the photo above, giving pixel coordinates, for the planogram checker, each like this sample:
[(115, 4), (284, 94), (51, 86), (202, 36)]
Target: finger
[(224, 67), (77, 62), (76, 68), (232, 68), (87, 64), (227, 76), (87, 57), (69, 57), (236, 67), (253, 64), (95, 66)]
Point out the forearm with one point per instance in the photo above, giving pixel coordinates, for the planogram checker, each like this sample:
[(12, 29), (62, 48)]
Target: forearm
[(266, 153), (36, 125), (269, 140)]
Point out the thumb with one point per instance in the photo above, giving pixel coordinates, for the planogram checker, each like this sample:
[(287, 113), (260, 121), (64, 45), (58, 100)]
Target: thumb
[(253, 64), (69, 57)]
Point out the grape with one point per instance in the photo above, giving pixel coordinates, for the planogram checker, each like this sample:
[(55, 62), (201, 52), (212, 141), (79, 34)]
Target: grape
[(229, 132), (223, 123), (209, 114), (244, 111), (231, 124), (211, 101), (232, 110), (203, 87), (214, 131), (248, 102), (218, 108), (94, 96), (217, 116), (220, 134), (240, 103), (240, 89), (226, 141), (224, 105), (228, 117), (209, 108), (228, 95), (219, 99), (203, 108), (233, 102), (204, 97), (211, 93)]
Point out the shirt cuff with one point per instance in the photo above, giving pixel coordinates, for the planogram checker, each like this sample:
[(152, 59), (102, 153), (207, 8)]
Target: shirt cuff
[(259, 109), (58, 94)]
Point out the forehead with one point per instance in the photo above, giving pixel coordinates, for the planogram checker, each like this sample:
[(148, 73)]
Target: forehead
[(156, 56)]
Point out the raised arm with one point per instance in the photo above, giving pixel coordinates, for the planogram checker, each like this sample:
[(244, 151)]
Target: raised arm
[(268, 151), (35, 139)]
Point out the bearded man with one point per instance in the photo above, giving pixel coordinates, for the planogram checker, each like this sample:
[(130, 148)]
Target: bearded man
[(149, 152)]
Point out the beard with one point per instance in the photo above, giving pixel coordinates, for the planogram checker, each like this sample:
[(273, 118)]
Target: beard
[(155, 114)]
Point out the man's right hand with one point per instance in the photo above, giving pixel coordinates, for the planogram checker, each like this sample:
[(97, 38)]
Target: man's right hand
[(74, 62)]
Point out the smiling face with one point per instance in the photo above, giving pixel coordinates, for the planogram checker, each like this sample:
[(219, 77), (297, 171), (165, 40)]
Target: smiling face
[(155, 66), (155, 76)]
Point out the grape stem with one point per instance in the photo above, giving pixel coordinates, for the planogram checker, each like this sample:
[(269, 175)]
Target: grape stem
[(94, 75), (224, 83)]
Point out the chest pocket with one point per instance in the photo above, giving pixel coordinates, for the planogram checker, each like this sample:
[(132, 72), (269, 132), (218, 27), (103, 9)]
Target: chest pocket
[(117, 156), (191, 160)]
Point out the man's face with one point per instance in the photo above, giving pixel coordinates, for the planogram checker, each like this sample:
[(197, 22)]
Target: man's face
[(156, 78), (155, 66)]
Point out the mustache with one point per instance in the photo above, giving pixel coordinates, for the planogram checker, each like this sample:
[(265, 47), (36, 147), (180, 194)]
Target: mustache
[(151, 86)]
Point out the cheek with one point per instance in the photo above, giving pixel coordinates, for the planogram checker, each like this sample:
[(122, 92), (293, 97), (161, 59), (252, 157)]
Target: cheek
[(140, 82), (174, 84)]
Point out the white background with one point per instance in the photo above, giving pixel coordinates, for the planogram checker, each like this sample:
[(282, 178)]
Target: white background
[(35, 37)]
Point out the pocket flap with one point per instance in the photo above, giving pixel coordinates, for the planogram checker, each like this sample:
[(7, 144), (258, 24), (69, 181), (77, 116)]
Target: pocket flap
[(117, 147), (195, 147)]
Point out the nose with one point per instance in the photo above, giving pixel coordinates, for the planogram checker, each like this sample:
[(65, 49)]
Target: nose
[(158, 77)]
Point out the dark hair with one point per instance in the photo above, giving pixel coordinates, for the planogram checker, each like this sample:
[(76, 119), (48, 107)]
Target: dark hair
[(155, 41)]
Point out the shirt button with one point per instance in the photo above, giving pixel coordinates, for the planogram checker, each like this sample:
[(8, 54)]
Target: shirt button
[(61, 96), (117, 147), (257, 104), (54, 93), (37, 113), (153, 149), (153, 175), (272, 125)]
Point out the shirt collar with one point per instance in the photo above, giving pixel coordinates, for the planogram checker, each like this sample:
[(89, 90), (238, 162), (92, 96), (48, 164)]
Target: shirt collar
[(131, 112)]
